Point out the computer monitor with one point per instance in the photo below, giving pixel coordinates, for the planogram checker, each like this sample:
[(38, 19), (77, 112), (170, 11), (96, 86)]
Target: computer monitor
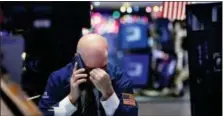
[(133, 32), (137, 67)]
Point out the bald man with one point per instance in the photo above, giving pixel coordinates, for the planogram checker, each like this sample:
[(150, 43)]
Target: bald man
[(111, 90)]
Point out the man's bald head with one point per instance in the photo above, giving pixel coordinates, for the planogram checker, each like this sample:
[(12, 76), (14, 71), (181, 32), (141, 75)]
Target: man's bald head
[(93, 50)]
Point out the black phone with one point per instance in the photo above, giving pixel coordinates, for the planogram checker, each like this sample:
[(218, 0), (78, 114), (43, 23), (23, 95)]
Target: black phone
[(87, 95), (80, 64), (79, 60)]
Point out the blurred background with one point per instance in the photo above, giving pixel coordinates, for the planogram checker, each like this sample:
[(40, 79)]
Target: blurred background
[(147, 39)]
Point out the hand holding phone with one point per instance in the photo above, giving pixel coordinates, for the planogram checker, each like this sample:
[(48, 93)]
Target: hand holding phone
[(80, 65), (85, 91), (78, 77)]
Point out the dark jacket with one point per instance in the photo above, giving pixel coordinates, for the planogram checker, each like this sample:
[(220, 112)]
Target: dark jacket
[(58, 87)]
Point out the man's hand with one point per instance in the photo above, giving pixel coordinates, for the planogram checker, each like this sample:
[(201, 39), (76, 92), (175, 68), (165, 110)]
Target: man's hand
[(76, 79), (102, 82)]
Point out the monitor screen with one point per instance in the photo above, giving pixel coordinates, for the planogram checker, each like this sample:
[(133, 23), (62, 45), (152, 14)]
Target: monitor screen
[(137, 67), (133, 32)]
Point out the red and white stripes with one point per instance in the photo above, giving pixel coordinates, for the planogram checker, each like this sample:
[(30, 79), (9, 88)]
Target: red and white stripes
[(174, 10)]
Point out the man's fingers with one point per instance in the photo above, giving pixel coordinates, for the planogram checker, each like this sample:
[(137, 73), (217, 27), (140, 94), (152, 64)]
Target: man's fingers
[(97, 72), (93, 74), (78, 76), (92, 79), (81, 81), (79, 71), (100, 71)]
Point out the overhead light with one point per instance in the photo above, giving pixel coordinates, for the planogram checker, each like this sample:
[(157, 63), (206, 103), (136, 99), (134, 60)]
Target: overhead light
[(148, 9), (156, 9), (122, 9), (129, 10), (96, 3)]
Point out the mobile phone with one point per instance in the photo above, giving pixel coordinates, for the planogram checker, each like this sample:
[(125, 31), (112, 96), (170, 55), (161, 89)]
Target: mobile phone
[(86, 88), (80, 64), (79, 60)]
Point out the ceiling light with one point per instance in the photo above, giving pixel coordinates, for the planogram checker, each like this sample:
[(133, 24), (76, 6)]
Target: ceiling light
[(148, 9), (122, 9), (156, 9), (129, 10)]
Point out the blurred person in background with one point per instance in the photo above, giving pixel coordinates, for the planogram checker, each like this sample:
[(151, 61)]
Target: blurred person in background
[(111, 93), (163, 57), (182, 72)]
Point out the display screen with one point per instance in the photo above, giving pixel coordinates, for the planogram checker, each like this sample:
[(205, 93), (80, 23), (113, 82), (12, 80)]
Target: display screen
[(136, 66), (133, 32)]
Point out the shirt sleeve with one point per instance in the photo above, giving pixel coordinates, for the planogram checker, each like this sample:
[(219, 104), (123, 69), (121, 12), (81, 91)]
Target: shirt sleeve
[(66, 108), (54, 101), (111, 104)]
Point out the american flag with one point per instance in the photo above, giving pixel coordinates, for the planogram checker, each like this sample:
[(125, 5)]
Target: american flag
[(128, 99), (174, 10)]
